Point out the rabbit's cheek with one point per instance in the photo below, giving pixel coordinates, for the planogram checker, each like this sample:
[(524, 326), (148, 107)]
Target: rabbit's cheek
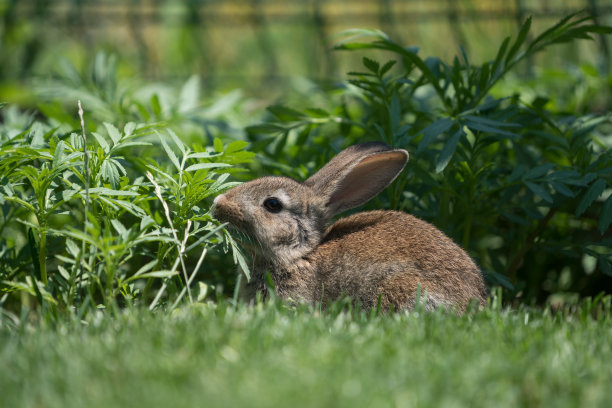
[(283, 236)]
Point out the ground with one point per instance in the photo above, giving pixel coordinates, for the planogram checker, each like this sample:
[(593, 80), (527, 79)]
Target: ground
[(273, 355)]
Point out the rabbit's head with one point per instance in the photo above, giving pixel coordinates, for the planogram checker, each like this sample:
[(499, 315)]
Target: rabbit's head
[(282, 219), (276, 217)]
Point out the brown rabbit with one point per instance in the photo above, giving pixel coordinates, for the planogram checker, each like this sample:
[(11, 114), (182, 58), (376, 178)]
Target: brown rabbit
[(377, 258)]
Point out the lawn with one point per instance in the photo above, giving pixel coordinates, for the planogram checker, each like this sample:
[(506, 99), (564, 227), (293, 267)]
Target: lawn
[(274, 355)]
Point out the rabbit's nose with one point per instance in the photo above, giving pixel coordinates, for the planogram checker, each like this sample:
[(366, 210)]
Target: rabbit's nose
[(225, 209), (215, 205)]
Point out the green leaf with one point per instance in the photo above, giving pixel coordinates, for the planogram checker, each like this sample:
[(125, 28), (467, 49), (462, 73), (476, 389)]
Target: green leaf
[(102, 142), (606, 215), (37, 136), (517, 173), (202, 291), (564, 175), (448, 150), (200, 166), (129, 128), (496, 66), (146, 221), (240, 260), (562, 189), (539, 191), (557, 140), (218, 145), (110, 173), (113, 132), (169, 152), (156, 105), (119, 227), (385, 68), (604, 265), (484, 76), (123, 145), (551, 30), (410, 55), (355, 33), (205, 238), (190, 95), (285, 114), (203, 155), (317, 113), (265, 128), (381, 132), (489, 122), (177, 141), (58, 155), (538, 171), (68, 194), (371, 65), (108, 192), (236, 146), (520, 39), (479, 126), (146, 267), (395, 111), (154, 274), (592, 193), (432, 131)]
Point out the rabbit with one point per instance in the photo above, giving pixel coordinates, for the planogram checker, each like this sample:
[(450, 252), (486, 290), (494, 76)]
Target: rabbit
[(381, 259)]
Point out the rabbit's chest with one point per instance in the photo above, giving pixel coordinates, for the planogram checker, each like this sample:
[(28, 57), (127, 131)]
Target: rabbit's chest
[(296, 282)]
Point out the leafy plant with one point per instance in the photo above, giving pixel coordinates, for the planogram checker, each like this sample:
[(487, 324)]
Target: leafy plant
[(106, 217), (524, 188), (118, 100)]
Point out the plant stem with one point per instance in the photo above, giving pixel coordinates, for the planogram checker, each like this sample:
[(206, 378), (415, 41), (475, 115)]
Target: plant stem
[(42, 255), (517, 261), (86, 166), (467, 230)]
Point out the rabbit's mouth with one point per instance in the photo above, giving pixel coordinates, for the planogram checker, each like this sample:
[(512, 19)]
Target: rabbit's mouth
[(246, 240)]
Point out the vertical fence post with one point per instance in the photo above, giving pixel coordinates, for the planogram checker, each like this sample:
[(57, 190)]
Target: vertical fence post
[(520, 19), (604, 48), (197, 28), (327, 64), (387, 19), (34, 44), (10, 25), (259, 24), (135, 21), (455, 26)]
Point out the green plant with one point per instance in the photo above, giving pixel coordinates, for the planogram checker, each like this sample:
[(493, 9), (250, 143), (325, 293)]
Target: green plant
[(524, 188), (111, 97), (82, 226)]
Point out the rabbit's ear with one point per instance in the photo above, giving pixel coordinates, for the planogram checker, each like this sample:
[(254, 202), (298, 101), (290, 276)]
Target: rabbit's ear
[(356, 175)]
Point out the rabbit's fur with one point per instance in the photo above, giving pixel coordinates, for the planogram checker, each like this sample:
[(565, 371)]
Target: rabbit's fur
[(377, 258)]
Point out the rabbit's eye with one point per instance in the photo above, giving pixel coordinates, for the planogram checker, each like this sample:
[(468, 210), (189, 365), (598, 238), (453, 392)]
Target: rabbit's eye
[(273, 205)]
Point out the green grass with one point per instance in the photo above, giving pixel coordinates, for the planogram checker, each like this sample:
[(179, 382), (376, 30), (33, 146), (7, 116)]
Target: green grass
[(272, 355)]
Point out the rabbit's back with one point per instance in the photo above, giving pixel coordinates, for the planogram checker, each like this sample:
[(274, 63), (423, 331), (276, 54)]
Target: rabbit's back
[(388, 255)]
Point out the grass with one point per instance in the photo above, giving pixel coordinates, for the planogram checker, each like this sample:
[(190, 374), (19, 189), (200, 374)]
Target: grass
[(272, 355)]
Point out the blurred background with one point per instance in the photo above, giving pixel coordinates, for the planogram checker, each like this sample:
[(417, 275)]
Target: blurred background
[(260, 45)]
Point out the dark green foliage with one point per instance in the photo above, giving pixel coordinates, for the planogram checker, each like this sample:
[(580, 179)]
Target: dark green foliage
[(525, 189)]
